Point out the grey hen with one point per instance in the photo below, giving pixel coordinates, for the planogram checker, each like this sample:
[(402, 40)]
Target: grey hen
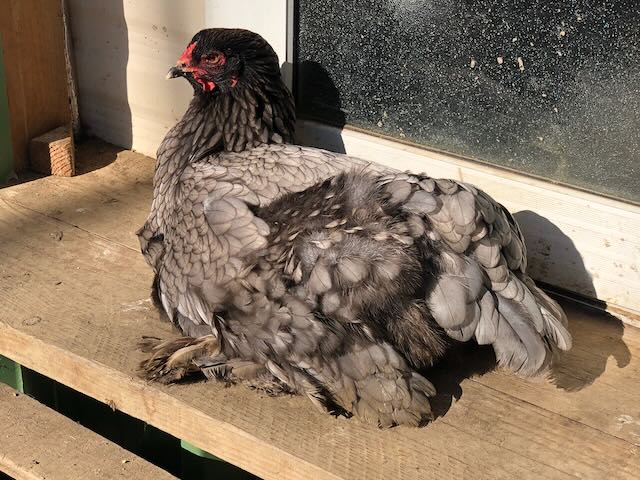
[(286, 274)]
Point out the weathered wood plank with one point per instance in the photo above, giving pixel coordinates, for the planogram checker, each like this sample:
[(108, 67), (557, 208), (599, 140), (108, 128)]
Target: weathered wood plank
[(112, 202), (37, 443), (110, 196), (81, 298)]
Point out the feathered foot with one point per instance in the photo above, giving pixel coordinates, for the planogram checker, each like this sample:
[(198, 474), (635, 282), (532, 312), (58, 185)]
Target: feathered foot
[(172, 360), (371, 382), (237, 371), (409, 406)]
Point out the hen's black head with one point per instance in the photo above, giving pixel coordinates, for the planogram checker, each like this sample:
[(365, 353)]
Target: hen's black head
[(220, 59)]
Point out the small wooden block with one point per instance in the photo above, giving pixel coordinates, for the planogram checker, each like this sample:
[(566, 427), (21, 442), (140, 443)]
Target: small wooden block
[(53, 153)]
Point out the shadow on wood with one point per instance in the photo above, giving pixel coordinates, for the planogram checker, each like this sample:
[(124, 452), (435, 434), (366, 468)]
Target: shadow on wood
[(603, 347), (601, 338)]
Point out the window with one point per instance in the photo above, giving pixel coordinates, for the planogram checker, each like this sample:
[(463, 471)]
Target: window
[(549, 88)]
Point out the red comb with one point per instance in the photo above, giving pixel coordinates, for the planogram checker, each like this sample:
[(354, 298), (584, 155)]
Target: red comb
[(186, 56)]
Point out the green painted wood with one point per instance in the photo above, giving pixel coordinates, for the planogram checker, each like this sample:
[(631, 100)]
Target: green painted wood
[(6, 150), (11, 373), (198, 451), (198, 464)]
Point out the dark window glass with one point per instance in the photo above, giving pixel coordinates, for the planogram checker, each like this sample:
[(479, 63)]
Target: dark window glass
[(549, 88)]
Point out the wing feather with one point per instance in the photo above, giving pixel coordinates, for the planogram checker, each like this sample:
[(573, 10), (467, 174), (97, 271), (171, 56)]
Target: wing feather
[(482, 289)]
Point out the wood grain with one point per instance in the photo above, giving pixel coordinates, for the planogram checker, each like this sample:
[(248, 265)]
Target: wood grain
[(74, 303), (39, 443)]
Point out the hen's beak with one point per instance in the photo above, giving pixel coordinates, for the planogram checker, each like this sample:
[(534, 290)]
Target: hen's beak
[(175, 72)]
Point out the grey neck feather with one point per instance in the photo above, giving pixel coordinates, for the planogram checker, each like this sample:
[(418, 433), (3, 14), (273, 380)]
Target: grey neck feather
[(241, 119)]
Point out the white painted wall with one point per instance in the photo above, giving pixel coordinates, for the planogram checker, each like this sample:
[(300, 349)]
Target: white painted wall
[(266, 17), (124, 48)]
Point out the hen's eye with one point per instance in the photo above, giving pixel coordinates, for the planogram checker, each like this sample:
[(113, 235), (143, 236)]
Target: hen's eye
[(215, 58)]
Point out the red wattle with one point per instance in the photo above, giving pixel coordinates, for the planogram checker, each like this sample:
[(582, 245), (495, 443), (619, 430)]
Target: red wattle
[(207, 85)]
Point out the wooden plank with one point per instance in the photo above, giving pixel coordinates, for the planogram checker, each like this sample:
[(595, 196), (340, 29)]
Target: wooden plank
[(69, 60), (576, 240), (6, 150), (39, 443), (592, 379), (82, 299), (33, 36), (112, 202)]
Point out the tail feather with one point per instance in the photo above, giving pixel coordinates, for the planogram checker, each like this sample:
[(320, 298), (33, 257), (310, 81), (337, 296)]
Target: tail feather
[(480, 287), (555, 320), (528, 346), (501, 308), (521, 338)]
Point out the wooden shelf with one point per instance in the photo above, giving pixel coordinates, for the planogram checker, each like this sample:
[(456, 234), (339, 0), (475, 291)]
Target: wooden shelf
[(74, 303), (38, 443)]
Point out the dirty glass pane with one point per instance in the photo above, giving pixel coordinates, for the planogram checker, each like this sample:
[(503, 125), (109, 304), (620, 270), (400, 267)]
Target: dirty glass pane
[(549, 88)]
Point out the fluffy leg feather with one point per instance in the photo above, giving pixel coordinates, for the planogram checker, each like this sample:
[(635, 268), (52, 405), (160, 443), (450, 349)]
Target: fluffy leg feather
[(172, 360)]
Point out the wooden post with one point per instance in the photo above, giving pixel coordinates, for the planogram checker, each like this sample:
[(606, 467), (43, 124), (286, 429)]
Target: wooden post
[(36, 73), (6, 150)]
